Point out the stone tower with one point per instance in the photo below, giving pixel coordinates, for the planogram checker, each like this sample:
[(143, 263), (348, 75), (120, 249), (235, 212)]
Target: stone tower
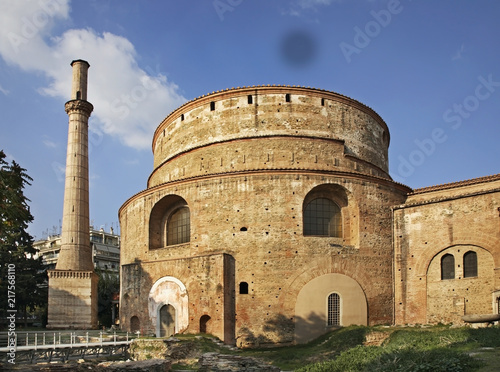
[(266, 219), (73, 284)]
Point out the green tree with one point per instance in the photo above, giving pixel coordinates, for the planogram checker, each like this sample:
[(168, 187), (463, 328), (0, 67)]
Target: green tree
[(108, 284), (18, 257)]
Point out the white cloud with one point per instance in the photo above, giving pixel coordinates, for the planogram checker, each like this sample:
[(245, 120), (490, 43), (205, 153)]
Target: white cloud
[(23, 26), (129, 102)]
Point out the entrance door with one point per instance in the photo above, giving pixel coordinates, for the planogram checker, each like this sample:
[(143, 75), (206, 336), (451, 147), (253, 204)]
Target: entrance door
[(167, 321)]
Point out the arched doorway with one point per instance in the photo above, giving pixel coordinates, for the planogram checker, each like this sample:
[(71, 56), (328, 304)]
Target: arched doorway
[(170, 292), (167, 321), (204, 320)]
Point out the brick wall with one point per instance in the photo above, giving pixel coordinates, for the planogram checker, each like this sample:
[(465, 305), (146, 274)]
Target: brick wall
[(452, 219)]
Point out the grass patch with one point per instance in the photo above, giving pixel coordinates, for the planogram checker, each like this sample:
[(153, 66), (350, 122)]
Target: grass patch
[(405, 349), (325, 347), (435, 349)]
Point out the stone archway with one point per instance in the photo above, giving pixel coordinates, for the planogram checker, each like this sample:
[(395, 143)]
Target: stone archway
[(165, 292)]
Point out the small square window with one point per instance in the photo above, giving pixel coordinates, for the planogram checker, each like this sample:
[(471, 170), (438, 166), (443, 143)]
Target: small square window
[(243, 288)]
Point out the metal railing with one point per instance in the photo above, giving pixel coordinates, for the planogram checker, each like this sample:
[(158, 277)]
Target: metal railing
[(66, 339), (60, 346)]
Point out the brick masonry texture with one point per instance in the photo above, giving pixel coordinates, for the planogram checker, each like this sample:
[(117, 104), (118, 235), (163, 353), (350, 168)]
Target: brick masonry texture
[(453, 219), (246, 162)]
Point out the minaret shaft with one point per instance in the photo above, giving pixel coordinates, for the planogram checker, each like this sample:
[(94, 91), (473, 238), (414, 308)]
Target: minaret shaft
[(73, 284), (76, 253)]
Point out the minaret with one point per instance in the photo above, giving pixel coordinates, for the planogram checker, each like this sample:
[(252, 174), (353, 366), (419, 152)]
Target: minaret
[(76, 253), (73, 284)]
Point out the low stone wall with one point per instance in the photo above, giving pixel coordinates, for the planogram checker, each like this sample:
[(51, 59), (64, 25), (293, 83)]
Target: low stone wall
[(376, 338), (161, 349), (172, 349), (215, 362), (148, 349), (152, 365)]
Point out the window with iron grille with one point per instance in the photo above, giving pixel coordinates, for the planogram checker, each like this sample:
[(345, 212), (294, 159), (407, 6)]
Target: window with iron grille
[(322, 217), (447, 267), (470, 264), (178, 226), (333, 310)]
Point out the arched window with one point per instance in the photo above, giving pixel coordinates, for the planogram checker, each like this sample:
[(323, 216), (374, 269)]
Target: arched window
[(178, 226), (169, 222), (322, 217), (333, 310), (447, 267), (470, 264)]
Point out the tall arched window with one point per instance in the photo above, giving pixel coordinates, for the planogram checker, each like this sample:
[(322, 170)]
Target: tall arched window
[(178, 226), (333, 310), (470, 264), (447, 267), (322, 217), (169, 222)]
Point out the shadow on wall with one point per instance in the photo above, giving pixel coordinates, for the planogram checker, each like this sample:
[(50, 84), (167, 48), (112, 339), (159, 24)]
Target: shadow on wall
[(279, 330), (69, 311), (135, 285)]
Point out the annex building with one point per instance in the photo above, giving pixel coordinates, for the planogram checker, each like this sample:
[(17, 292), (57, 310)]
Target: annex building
[(270, 217)]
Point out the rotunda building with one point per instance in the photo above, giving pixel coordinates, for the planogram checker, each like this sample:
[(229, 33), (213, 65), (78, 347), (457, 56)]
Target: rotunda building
[(266, 219)]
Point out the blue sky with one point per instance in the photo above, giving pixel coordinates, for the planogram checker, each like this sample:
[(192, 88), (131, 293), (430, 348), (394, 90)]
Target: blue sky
[(431, 69)]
